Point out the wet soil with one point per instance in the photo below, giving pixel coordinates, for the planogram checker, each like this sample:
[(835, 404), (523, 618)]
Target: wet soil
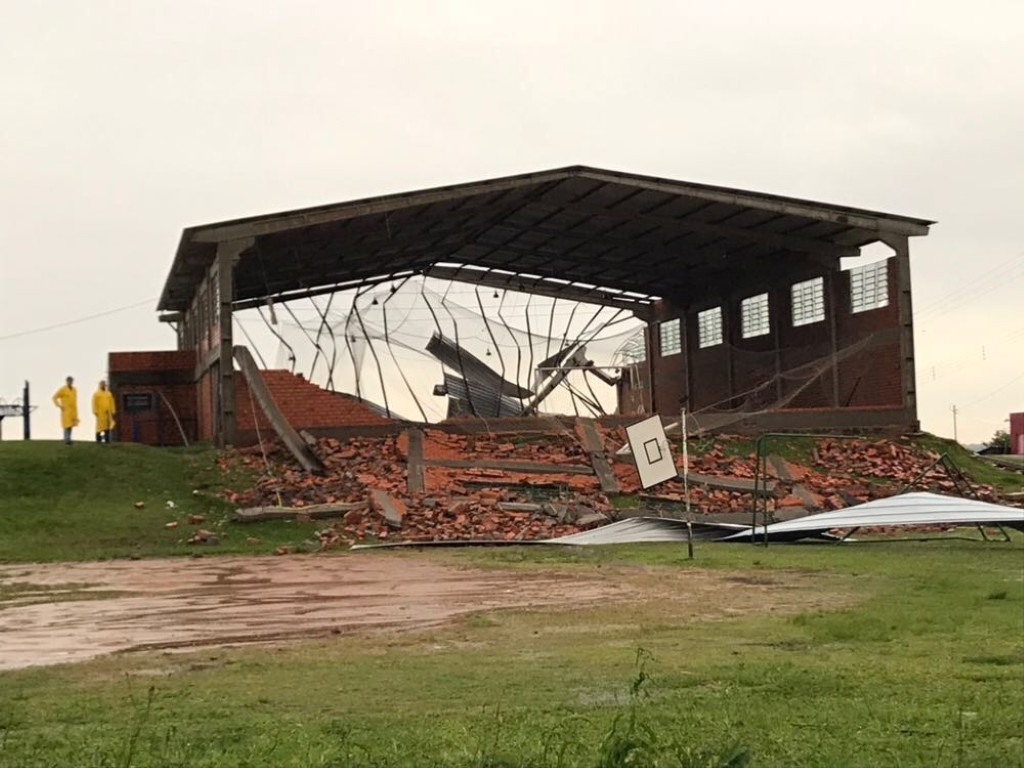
[(63, 612), (68, 612)]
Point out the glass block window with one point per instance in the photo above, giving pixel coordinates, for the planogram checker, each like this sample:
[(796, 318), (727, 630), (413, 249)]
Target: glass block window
[(215, 301), (869, 286), (809, 301), (671, 340), (754, 314), (709, 327)]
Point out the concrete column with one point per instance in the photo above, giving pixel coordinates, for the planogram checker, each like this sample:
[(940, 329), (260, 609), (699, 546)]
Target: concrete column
[(222, 275), (684, 335), (649, 334), (775, 304), (832, 296), (901, 245), (729, 305)]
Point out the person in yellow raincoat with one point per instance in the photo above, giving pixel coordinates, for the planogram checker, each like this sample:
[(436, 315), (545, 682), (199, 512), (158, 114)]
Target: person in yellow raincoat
[(103, 409), (66, 398)]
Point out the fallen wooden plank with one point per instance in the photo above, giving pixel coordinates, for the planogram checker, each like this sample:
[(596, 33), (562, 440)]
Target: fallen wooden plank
[(393, 510), (781, 468), (587, 431), (261, 393), (508, 465), (519, 506), (318, 511), (493, 482), (734, 484), (414, 465)]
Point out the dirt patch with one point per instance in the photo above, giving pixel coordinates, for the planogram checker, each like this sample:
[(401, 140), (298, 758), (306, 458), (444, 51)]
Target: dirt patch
[(179, 604)]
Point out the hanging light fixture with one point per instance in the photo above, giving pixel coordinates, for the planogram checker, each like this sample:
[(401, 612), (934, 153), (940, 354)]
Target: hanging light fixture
[(488, 353), (375, 302), (496, 294)]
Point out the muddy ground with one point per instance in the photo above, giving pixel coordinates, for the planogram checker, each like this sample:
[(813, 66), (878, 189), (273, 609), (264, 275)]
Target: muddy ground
[(66, 612)]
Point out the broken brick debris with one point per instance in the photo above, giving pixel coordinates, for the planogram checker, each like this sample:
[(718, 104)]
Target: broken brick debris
[(203, 536), (489, 487)]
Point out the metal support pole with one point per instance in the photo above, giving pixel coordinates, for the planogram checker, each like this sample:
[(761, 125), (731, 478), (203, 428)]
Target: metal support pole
[(757, 486), (764, 474), (686, 468), (26, 410)]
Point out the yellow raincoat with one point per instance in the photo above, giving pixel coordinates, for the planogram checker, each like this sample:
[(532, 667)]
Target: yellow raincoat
[(66, 398), (103, 408)]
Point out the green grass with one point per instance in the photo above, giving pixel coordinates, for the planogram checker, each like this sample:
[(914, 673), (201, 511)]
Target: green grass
[(919, 661), (976, 468), (78, 503), (1005, 461)]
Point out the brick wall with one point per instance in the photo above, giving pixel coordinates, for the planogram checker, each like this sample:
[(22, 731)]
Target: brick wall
[(304, 405), (735, 374), (167, 377), (871, 377), (1017, 433), (204, 406)]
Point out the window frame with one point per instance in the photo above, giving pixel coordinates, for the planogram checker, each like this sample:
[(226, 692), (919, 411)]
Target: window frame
[(755, 308), (675, 335), (807, 298), (874, 282), (710, 335)]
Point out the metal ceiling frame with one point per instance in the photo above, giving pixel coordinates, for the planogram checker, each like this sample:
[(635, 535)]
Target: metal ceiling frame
[(575, 223)]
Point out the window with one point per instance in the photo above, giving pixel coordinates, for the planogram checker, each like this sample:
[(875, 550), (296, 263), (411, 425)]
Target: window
[(809, 301), (671, 340), (754, 314), (215, 302), (709, 327), (869, 286)]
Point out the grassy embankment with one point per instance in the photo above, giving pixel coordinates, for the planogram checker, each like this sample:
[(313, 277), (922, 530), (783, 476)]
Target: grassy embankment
[(77, 502)]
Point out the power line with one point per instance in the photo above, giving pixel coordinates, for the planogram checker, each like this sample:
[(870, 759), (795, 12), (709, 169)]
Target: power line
[(986, 282), (997, 390), (67, 323)]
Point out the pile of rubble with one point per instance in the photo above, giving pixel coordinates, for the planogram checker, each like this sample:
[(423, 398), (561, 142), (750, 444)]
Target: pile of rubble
[(450, 487)]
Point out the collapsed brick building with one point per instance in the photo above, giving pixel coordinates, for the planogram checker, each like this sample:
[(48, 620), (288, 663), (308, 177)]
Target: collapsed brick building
[(749, 319)]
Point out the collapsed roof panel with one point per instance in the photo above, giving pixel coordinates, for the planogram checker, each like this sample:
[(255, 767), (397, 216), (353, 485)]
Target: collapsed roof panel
[(908, 509), (475, 399), (463, 362)]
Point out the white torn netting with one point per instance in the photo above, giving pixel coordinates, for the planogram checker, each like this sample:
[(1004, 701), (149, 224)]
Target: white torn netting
[(373, 344)]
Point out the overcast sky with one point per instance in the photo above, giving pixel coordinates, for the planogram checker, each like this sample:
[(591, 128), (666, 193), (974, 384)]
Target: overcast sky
[(123, 122)]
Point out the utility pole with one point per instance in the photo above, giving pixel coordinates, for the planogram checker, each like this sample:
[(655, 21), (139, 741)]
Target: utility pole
[(955, 440)]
